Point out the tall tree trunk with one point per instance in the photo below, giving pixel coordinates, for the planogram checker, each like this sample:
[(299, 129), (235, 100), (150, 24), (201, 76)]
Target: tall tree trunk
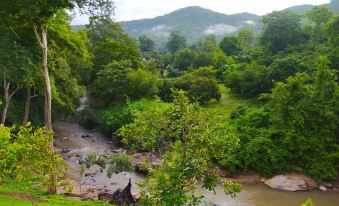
[(8, 98), (48, 90), (42, 38), (29, 97)]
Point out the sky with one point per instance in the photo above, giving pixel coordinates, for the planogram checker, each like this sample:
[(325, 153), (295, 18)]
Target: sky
[(139, 9)]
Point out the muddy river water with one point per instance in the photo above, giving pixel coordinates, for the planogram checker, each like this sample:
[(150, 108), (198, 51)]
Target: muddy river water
[(75, 142)]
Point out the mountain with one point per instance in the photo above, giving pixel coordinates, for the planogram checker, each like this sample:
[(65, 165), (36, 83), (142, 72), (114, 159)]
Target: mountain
[(333, 5), (300, 8), (194, 22)]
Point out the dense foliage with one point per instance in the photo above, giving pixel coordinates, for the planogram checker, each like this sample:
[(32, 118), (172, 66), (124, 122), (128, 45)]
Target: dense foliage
[(171, 101), (26, 152)]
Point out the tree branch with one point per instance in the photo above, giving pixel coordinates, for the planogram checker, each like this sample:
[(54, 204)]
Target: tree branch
[(15, 91), (38, 37)]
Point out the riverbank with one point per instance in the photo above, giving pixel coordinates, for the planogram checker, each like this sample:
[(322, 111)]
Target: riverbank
[(75, 142)]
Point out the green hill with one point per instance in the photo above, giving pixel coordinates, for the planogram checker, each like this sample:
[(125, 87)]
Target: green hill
[(194, 22), (333, 5), (300, 8)]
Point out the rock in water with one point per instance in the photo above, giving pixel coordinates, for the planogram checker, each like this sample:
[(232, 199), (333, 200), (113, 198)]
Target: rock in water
[(288, 183), (322, 188)]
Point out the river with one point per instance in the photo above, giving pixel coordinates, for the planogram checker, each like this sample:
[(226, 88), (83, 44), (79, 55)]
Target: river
[(75, 142)]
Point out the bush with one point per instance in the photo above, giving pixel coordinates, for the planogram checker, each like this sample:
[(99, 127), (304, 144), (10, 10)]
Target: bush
[(119, 163), (305, 112), (165, 91), (203, 90), (203, 59), (111, 82), (247, 80), (183, 59), (264, 156), (240, 110), (200, 85), (141, 84), (25, 152), (225, 145), (148, 131), (110, 119)]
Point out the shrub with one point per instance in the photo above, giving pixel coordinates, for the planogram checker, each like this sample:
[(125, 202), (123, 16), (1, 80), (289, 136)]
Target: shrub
[(141, 84), (119, 163), (264, 156), (203, 59), (112, 118), (203, 90), (148, 132), (26, 152), (304, 110), (190, 157), (183, 59), (200, 85), (111, 82), (247, 80), (165, 91), (237, 112)]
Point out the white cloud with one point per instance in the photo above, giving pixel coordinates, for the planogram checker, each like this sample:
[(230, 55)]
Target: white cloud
[(249, 22), (159, 30), (220, 29), (131, 9)]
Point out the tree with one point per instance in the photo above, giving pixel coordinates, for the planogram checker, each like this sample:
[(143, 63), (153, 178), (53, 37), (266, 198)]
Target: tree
[(319, 15), (203, 59), (246, 40), (176, 41), (146, 44), (230, 45), (221, 62), (23, 153), (141, 84), (189, 160), (304, 111), (248, 80), (201, 85), (183, 59), (17, 70), (108, 42), (111, 82), (109, 50), (282, 68), (37, 14), (209, 43), (332, 29), (281, 29)]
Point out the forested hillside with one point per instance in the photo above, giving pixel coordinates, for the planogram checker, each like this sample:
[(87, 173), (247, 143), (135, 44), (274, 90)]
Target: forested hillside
[(197, 115), (193, 22)]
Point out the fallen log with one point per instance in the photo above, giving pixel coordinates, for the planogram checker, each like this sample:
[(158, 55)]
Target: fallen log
[(120, 197)]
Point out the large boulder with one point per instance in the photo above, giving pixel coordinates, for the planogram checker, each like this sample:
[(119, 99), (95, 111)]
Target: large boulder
[(291, 182)]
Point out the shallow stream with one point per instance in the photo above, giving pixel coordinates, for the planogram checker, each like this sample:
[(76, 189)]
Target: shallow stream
[(76, 142)]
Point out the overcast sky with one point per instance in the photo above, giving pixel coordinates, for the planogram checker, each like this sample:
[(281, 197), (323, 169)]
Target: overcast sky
[(139, 9)]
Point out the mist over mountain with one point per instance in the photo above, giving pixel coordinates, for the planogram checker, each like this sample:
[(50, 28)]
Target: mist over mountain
[(196, 22)]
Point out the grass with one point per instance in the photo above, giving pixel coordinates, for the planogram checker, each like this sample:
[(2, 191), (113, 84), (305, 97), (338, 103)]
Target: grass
[(221, 110), (19, 193), (11, 201), (51, 200)]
